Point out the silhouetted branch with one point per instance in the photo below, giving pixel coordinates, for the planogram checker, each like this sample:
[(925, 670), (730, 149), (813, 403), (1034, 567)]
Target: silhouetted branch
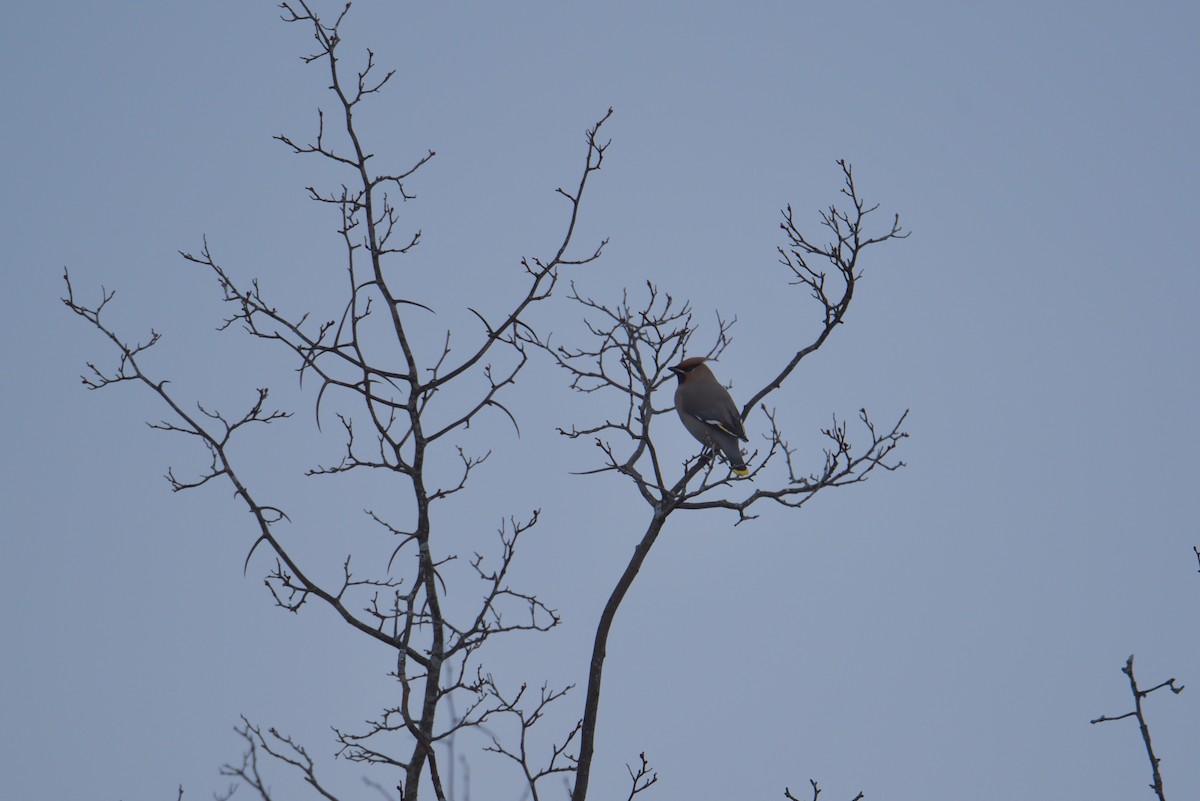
[(633, 348), (393, 414), (816, 792), (282, 749), (1138, 712), (804, 258), (641, 777), (560, 761)]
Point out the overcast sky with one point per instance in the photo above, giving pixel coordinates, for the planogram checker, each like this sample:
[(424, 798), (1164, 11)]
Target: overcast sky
[(943, 632)]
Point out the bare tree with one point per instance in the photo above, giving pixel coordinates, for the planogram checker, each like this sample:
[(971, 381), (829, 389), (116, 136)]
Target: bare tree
[(633, 347), (404, 412), (398, 402)]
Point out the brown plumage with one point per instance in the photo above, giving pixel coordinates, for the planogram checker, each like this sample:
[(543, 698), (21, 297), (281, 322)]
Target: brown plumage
[(707, 411)]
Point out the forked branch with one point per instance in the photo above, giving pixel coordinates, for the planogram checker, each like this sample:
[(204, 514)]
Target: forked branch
[(629, 360), (394, 415), (1138, 712)]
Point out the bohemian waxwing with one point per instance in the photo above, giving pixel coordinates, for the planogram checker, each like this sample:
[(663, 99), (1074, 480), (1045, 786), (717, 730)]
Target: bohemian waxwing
[(707, 411)]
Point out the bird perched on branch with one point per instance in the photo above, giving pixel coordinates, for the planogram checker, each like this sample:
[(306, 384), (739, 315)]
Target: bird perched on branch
[(707, 411)]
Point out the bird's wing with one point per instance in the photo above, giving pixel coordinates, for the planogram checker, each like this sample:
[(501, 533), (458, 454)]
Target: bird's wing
[(723, 414)]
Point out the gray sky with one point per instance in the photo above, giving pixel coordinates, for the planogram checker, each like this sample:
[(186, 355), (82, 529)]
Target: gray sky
[(944, 632)]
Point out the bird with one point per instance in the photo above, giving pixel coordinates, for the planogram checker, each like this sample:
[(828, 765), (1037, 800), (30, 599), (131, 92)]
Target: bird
[(708, 412)]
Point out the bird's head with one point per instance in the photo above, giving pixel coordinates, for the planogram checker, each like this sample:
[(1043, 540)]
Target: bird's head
[(695, 366)]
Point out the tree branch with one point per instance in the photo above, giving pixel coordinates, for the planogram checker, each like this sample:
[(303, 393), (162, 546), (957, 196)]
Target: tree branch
[(1138, 712)]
